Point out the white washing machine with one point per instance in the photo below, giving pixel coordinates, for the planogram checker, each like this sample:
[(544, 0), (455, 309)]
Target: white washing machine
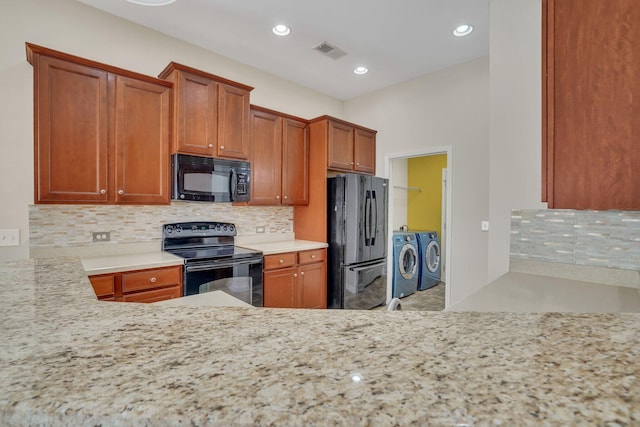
[(406, 259)]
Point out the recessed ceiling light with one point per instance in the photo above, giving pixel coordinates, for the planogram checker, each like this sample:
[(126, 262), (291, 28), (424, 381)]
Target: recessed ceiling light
[(281, 30), (463, 30), (152, 2), (361, 70)]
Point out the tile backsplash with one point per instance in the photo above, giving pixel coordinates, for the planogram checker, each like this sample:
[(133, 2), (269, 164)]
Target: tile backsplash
[(595, 238), (73, 225)]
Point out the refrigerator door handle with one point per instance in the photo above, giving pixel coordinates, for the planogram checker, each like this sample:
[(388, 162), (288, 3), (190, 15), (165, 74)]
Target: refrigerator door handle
[(374, 223), (367, 219)]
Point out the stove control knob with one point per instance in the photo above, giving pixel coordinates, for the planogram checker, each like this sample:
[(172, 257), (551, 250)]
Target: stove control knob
[(218, 227), (224, 227), (169, 229), (232, 227), (178, 229)]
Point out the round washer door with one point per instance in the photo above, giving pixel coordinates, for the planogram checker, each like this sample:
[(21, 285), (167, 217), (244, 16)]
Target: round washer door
[(432, 256), (408, 261)]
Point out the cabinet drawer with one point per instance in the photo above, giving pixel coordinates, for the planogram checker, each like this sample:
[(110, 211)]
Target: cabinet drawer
[(103, 285), (307, 257), (148, 279), (154, 295), (275, 261)]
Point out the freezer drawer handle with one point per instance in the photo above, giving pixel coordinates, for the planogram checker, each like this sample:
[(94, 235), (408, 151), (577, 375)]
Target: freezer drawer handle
[(368, 266)]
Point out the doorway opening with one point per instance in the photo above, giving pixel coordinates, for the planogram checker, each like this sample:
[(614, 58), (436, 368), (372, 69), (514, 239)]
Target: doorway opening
[(407, 202)]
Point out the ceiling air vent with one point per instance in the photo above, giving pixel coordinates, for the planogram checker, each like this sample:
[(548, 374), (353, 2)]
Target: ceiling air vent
[(329, 50)]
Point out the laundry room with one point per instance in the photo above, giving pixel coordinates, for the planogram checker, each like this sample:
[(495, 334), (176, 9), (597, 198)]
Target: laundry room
[(419, 218)]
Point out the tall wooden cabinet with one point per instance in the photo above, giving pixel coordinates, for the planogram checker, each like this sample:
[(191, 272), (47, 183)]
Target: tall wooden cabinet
[(336, 146), (101, 133), (591, 104), (279, 158), (211, 113)]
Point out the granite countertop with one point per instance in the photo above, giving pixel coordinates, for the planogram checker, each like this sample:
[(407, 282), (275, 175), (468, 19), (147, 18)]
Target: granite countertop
[(68, 359)]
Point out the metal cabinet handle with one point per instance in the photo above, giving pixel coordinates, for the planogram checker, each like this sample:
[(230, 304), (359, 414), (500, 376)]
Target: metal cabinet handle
[(222, 147), (313, 256), (210, 145), (357, 164), (302, 273), (295, 275), (103, 191), (121, 192), (351, 163), (281, 261), (285, 197), (153, 280), (277, 197)]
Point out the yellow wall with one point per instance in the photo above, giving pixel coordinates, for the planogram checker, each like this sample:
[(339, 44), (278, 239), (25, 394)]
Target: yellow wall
[(424, 208)]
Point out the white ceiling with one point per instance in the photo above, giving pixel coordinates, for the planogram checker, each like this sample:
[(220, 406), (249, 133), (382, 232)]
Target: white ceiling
[(398, 40)]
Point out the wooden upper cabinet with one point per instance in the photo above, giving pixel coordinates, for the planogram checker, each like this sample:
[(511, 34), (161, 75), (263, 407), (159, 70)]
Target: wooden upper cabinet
[(591, 104), (211, 113), (279, 158), (101, 132), (71, 131), (195, 114), (364, 151), (141, 140), (295, 162), (350, 148), (340, 146)]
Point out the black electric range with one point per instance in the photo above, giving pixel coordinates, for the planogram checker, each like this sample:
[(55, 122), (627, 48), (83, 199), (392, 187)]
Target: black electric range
[(212, 262)]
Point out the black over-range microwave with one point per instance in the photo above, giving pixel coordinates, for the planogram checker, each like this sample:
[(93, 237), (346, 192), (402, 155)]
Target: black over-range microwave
[(205, 179)]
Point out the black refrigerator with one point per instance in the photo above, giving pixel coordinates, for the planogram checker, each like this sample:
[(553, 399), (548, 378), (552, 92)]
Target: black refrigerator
[(357, 237)]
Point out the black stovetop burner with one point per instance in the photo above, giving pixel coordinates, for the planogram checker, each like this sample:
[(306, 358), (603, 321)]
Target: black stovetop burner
[(202, 241)]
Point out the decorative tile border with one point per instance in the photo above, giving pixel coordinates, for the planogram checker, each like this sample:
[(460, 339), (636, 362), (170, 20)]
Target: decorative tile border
[(595, 238), (73, 225)]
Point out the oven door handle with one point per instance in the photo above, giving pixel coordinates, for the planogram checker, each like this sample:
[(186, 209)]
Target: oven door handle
[(192, 268)]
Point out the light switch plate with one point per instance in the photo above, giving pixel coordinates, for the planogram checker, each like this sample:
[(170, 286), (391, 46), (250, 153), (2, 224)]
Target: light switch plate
[(484, 226), (10, 237)]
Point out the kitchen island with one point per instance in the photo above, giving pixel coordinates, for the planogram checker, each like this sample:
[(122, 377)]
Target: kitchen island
[(68, 359)]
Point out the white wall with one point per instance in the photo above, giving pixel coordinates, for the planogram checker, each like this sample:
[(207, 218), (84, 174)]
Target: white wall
[(515, 64), (399, 176), (446, 108), (75, 28)]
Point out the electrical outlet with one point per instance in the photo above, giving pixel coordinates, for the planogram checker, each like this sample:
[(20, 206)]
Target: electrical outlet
[(102, 236), (484, 226), (260, 229), (10, 237)]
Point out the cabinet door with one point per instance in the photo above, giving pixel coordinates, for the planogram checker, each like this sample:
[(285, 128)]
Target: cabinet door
[(103, 285), (279, 288), (591, 97), (295, 163), (364, 151), (195, 114), (266, 158), (340, 147), (233, 122), (71, 131), (141, 141), (313, 285)]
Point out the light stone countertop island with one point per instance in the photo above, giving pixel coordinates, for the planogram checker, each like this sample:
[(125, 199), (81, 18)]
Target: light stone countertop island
[(68, 359)]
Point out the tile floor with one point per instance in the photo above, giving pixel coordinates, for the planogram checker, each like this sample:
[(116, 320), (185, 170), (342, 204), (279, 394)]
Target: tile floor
[(428, 300), (519, 292)]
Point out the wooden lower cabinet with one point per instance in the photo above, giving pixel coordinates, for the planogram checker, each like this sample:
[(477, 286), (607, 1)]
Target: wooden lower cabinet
[(296, 279), (149, 285)]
